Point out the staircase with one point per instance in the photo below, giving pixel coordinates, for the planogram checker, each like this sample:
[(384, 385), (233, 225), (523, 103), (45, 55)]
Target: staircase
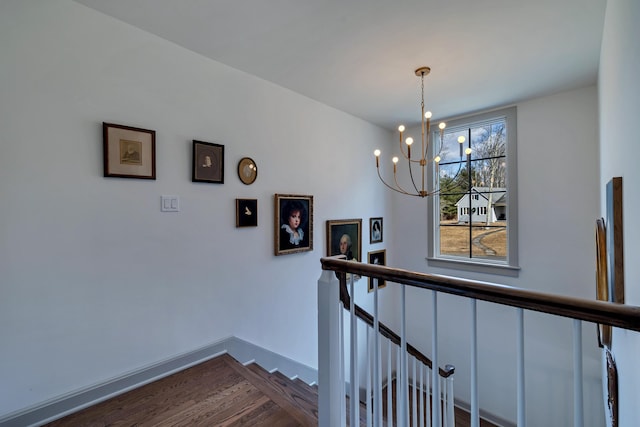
[(218, 392)]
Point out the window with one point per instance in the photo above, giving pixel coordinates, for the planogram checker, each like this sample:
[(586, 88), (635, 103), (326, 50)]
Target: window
[(473, 219)]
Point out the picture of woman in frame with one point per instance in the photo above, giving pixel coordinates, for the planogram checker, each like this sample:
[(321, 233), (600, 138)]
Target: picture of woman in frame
[(292, 230)]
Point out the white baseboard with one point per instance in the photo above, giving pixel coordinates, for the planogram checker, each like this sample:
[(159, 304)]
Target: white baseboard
[(241, 350)]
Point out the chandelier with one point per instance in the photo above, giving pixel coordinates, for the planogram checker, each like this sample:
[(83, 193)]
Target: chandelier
[(424, 189)]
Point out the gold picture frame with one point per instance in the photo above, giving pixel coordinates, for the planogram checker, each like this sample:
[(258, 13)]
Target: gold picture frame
[(247, 170), (293, 231)]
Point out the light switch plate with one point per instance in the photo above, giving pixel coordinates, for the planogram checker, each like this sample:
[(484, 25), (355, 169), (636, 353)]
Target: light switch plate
[(170, 204)]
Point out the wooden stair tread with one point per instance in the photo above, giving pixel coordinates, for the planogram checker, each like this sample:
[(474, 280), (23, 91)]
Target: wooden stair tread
[(301, 401)]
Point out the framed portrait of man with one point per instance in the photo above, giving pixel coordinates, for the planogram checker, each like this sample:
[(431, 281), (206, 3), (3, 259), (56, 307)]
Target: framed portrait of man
[(344, 237)]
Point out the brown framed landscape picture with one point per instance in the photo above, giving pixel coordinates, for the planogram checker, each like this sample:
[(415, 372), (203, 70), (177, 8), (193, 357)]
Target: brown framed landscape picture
[(293, 223), (344, 237), (377, 258), (208, 162), (129, 152)]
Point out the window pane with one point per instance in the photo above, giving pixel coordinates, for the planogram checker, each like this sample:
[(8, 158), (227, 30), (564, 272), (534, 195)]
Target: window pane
[(448, 207), (454, 239), (488, 140), (489, 243), (453, 177), (450, 149)]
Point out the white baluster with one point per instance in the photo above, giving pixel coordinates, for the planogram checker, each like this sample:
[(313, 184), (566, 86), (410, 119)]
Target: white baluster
[(421, 388), (369, 357), (414, 395), (429, 397), (403, 404), (354, 401), (369, 351), (343, 408), (578, 410), (475, 412), (389, 386), (437, 419), (377, 365), (399, 385), (521, 394), (451, 421)]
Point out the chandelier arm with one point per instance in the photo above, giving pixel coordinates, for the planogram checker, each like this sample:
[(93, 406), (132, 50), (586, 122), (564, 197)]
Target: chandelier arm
[(398, 190), (412, 181), (406, 157)]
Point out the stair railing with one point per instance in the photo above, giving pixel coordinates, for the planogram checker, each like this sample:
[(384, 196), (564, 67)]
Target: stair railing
[(331, 379), (419, 367)]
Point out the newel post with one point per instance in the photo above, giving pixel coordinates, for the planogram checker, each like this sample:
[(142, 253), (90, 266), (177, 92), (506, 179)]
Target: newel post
[(331, 391)]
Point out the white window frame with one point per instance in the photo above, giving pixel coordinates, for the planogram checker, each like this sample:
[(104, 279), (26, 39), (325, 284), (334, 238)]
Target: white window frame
[(510, 267)]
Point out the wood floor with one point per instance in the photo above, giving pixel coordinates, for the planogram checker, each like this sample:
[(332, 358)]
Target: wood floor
[(219, 392)]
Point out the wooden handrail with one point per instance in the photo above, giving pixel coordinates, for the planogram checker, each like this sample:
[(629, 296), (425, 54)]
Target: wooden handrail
[(362, 314), (607, 313)]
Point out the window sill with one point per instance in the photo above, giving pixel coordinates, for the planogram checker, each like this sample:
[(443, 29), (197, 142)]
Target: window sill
[(477, 267)]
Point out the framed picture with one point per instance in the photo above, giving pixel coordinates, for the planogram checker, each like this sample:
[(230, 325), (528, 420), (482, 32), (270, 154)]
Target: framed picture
[(208, 162), (246, 212), (247, 170), (375, 230), (344, 237), (377, 258), (615, 243), (129, 152), (602, 279), (293, 223)]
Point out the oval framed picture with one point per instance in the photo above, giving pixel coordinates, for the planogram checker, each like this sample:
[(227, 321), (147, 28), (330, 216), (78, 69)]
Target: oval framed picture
[(247, 170)]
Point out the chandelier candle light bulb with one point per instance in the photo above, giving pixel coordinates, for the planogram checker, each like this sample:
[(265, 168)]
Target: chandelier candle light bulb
[(422, 161)]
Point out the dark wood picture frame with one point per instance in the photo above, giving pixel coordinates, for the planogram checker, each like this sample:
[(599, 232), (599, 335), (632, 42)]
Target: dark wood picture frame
[(378, 257), (375, 230), (129, 152), (352, 228), (208, 162), (246, 212), (300, 207)]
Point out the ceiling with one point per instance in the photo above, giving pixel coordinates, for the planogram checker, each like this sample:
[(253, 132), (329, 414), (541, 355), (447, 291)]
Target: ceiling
[(359, 56)]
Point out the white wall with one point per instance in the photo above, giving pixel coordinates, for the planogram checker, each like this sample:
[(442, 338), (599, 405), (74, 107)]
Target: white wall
[(94, 280), (558, 195), (619, 94)]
